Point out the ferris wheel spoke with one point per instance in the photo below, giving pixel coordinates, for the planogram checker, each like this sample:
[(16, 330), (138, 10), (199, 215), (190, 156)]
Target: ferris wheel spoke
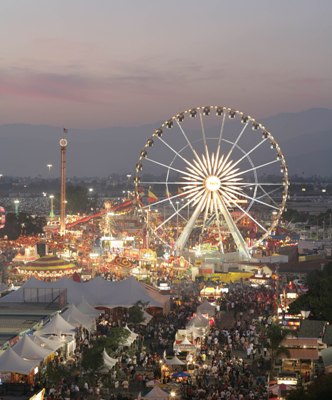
[(253, 169), (236, 140), (174, 151), (162, 183), (203, 130), (255, 199), (173, 215), (247, 154), (246, 213), (268, 194), (221, 129), (189, 143), (168, 199), (172, 168)]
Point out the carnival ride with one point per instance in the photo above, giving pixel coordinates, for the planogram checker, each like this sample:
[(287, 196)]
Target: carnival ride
[(216, 173)]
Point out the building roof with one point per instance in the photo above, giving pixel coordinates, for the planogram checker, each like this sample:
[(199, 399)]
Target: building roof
[(312, 329), (328, 335), (301, 354)]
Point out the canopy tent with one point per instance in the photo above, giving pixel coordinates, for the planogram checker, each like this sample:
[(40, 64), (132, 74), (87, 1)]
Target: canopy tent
[(206, 308), (185, 345), (58, 326), (180, 374), (98, 292), (174, 361), (198, 322), (109, 362), (10, 361), (131, 338), (147, 318), (28, 349), (156, 394), (51, 343), (87, 309), (76, 318)]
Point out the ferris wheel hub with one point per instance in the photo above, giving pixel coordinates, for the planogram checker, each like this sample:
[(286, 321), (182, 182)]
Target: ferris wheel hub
[(212, 183)]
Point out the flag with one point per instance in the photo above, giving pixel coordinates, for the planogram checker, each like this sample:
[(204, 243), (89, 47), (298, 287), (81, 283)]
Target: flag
[(151, 197), (168, 194), (180, 191)]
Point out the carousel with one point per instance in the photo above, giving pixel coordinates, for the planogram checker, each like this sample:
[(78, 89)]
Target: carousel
[(48, 267)]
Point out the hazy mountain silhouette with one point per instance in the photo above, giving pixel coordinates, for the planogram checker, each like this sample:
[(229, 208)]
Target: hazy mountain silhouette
[(305, 137)]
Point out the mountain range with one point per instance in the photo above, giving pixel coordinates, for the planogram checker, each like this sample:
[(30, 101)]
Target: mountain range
[(25, 150)]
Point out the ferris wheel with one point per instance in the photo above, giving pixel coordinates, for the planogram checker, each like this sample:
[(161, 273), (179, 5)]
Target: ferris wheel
[(217, 177)]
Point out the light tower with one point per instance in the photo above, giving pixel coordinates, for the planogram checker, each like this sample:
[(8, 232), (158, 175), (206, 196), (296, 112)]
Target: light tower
[(63, 146)]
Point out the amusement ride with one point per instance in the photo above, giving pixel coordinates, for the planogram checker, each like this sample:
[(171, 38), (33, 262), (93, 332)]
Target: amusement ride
[(219, 181)]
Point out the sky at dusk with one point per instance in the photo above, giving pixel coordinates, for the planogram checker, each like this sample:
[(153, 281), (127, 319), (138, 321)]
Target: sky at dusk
[(103, 63)]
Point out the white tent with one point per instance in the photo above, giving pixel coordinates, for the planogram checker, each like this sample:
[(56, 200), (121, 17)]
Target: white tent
[(174, 361), (12, 362), (156, 394), (147, 318), (97, 292), (198, 322), (28, 349), (76, 318), (131, 338), (109, 362), (206, 308), (58, 326), (53, 343), (185, 345), (87, 309)]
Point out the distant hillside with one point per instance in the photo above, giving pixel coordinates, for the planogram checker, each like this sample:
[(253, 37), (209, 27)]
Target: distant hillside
[(305, 137)]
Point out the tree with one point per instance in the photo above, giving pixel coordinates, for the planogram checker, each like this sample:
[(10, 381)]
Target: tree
[(318, 297), (275, 336), (320, 389), (136, 313)]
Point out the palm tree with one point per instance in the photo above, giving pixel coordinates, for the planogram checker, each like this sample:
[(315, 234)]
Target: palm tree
[(275, 336)]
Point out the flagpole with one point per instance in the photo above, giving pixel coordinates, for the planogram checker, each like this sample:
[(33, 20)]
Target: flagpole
[(147, 228)]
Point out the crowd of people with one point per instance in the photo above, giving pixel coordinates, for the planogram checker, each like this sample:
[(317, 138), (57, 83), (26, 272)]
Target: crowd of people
[(231, 362)]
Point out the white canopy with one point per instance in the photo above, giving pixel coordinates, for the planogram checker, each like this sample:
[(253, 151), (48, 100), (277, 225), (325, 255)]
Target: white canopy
[(28, 349), (53, 343), (198, 322), (147, 318), (109, 362), (156, 394), (131, 338), (76, 318), (87, 309), (12, 362), (206, 308), (174, 361), (58, 326), (97, 292)]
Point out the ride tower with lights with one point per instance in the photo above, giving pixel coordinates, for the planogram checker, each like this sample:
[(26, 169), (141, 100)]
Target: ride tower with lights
[(63, 162), (220, 178)]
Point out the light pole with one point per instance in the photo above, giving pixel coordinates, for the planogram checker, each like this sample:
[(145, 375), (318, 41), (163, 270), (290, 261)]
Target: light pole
[(49, 166), (52, 206), (16, 204)]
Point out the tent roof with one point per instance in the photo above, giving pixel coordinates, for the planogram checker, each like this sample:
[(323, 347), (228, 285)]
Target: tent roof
[(156, 393), (47, 343), (109, 361), (174, 361), (198, 321), (97, 292), (206, 308), (76, 318), (27, 348), (87, 309), (58, 326), (12, 362)]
